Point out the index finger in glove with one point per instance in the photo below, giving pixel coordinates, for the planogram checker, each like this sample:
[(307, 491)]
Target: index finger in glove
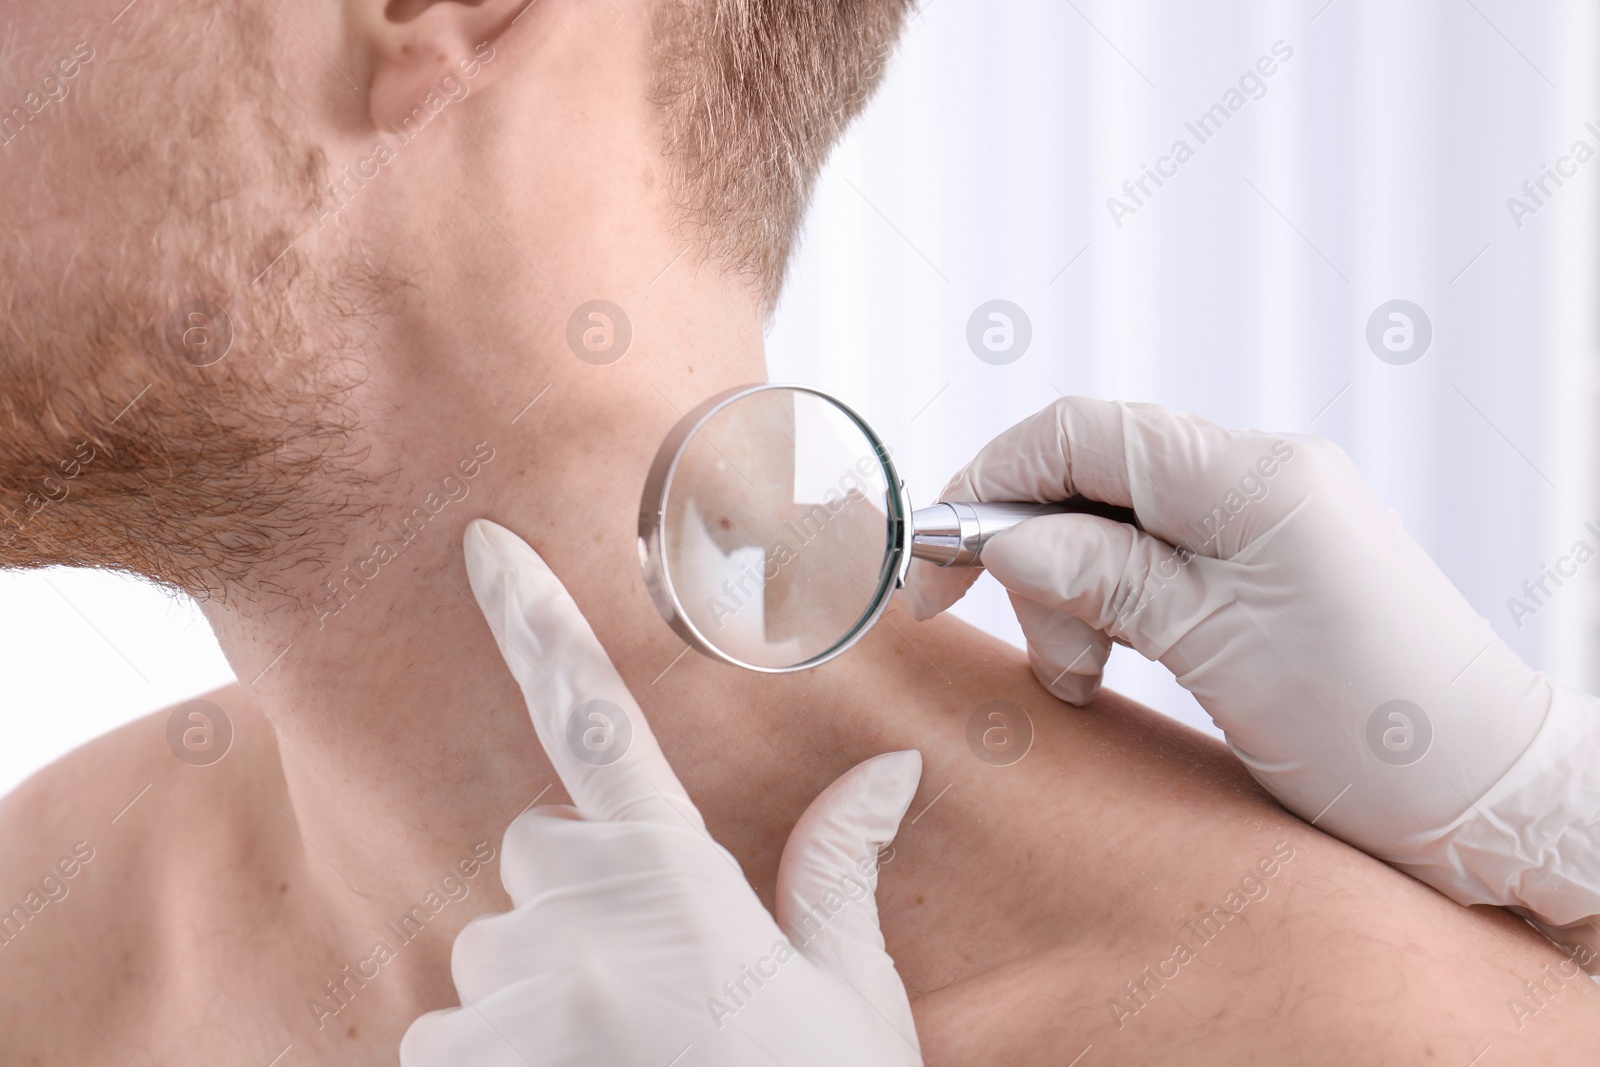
[(1073, 447), (1186, 478), (590, 726)]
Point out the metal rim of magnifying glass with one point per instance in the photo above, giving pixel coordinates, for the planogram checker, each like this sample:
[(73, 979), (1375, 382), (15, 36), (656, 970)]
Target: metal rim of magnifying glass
[(652, 513)]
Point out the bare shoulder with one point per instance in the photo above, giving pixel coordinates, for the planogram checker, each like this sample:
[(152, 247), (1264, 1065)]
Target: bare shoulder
[(92, 863)]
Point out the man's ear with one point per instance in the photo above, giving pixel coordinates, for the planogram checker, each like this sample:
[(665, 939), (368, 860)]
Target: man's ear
[(441, 47)]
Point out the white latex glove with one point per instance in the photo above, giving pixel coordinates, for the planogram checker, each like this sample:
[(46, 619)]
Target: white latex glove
[(635, 940), (1296, 609)]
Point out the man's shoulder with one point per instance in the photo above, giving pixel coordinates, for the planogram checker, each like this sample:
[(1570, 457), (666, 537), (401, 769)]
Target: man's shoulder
[(87, 794), (91, 851)]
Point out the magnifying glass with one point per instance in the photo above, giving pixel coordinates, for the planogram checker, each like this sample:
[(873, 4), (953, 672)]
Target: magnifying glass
[(774, 529)]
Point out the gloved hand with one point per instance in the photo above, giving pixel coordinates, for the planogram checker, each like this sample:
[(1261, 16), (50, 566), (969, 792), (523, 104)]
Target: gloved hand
[(635, 940), (1349, 675)]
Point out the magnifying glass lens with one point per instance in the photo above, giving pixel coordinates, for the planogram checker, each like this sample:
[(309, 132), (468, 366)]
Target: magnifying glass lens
[(774, 528)]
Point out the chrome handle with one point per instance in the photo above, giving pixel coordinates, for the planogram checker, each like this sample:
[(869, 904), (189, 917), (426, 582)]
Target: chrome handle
[(953, 533)]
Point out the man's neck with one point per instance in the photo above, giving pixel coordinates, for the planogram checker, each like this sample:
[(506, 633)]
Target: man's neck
[(403, 739)]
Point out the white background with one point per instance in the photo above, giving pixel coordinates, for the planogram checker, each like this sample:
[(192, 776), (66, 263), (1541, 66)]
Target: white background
[(1376, 166)]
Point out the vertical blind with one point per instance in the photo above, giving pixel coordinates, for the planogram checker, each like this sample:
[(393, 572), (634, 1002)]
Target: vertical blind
[(1204, 205)]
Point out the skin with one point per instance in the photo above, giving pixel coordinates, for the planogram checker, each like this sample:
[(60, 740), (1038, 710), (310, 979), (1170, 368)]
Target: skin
[(376, 747)]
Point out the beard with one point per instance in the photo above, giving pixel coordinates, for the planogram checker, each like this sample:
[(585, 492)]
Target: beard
[(175, 373)]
